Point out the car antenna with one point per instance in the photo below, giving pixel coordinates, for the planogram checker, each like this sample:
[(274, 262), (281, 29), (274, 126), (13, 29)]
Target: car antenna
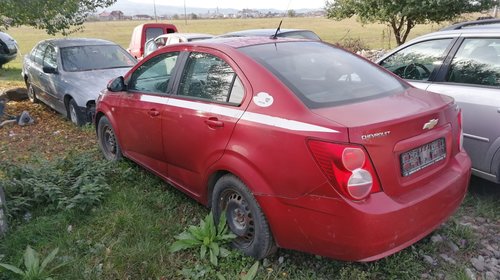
[(275, 36)]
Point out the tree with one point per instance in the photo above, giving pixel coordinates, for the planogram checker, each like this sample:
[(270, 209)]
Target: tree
[(291, 13), (54, 16), (403, 15)]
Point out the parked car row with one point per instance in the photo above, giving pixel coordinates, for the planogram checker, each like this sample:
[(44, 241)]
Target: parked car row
[(302, 145)]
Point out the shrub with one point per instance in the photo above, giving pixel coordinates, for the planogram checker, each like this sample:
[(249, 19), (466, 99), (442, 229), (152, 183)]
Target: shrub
[(73, 182), (353, 44)]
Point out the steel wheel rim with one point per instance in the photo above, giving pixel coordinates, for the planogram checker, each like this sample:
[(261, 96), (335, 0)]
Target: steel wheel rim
[(239, 217), (31, 94), (109, 141), (72, 112)]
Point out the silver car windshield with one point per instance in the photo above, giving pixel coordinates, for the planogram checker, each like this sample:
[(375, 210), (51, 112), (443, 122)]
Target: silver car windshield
[(85, 58), (322, 75)]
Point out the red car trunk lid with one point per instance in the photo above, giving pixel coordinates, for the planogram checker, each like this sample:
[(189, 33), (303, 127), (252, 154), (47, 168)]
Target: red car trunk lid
[(403, 135)]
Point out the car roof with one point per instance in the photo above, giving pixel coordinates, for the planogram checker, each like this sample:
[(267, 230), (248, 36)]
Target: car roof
[(74, 42), (239, 42), (185, 35), (261, 32)]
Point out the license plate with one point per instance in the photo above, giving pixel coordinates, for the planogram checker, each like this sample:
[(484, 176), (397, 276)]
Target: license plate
[(422, 157)]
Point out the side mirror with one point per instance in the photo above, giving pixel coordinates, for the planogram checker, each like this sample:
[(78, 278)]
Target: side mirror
[(117, 84), (49, 70)]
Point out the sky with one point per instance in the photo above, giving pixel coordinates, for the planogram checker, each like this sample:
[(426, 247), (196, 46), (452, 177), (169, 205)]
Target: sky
[(242, 4)]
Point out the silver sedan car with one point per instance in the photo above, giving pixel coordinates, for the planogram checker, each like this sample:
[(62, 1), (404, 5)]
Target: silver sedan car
[(68, 74), (462, 61)]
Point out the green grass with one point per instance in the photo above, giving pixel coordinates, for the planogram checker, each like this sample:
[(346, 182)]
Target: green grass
[(128, 236)]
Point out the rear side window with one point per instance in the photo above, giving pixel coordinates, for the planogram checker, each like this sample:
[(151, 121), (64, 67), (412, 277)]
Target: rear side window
[(211, 78), (153, 32), (417, 61), (322, 75), (476, 62)]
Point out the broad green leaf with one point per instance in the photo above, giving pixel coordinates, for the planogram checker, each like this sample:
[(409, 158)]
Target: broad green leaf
[(215, 248), (222, 226), (12, 268), (220, 276), (203, 251), (49, 258), (31, 260), (196, 232), (252, 272), (213, 258), (178, 246), (224, 252), (185, 236)]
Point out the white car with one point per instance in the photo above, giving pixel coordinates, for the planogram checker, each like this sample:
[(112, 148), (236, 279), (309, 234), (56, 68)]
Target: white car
[(173, 38)]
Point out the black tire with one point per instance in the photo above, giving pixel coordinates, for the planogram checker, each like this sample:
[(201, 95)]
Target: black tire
[(107, 140), (31, 93), (74, 113), (244, 217)]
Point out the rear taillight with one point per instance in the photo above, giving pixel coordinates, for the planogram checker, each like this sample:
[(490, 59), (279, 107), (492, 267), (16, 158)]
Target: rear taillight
[(461, 135), (347, 167)]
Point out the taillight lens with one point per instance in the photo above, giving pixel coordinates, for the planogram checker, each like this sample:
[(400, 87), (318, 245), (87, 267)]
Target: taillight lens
[(460, 127), (347, 167)]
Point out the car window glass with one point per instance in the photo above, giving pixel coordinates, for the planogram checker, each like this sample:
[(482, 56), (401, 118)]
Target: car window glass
[(93, 57), (153, 32), (38, 53), (209, 77), (155, 74), (49, 58), (322, 75), (417, 61), (476, 62)]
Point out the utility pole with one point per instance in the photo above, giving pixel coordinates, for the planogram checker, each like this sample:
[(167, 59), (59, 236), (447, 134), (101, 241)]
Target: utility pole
[(185, 14), (154, 8)]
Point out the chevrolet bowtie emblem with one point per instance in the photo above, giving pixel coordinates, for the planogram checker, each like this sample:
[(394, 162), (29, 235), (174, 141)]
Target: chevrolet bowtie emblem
[(430, 124)]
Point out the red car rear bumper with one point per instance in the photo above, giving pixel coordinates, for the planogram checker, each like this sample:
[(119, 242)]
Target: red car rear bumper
[(368, 230)]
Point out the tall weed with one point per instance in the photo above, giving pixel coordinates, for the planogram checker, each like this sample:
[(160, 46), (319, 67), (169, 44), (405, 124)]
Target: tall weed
[(73, 182)]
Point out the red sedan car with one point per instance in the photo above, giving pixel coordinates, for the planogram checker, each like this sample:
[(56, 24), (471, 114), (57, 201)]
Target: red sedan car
[(303, 145)]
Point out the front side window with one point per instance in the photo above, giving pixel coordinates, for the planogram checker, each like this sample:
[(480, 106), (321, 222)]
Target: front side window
[(209, 77), (94, 57), (322, 75), (154, 75), (50, 58), (476, 62), (37, 54), (417, 61)]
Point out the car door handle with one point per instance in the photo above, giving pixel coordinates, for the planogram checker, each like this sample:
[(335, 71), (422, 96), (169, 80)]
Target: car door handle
[(213, 122), (153, 113)]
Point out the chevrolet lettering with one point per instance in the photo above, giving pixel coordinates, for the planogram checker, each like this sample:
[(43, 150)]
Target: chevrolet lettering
[(375, 135)]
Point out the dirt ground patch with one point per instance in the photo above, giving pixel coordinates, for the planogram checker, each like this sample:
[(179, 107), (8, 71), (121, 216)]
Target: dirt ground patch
[(49, 136)]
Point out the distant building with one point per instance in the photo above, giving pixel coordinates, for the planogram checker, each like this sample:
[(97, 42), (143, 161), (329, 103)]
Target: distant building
[(142, 17), (114, 15)]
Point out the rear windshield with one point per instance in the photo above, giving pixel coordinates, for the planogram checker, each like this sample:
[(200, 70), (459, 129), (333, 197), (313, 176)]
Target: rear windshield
[(301, 34), (84, 58), (322, 75), (153, 32)]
